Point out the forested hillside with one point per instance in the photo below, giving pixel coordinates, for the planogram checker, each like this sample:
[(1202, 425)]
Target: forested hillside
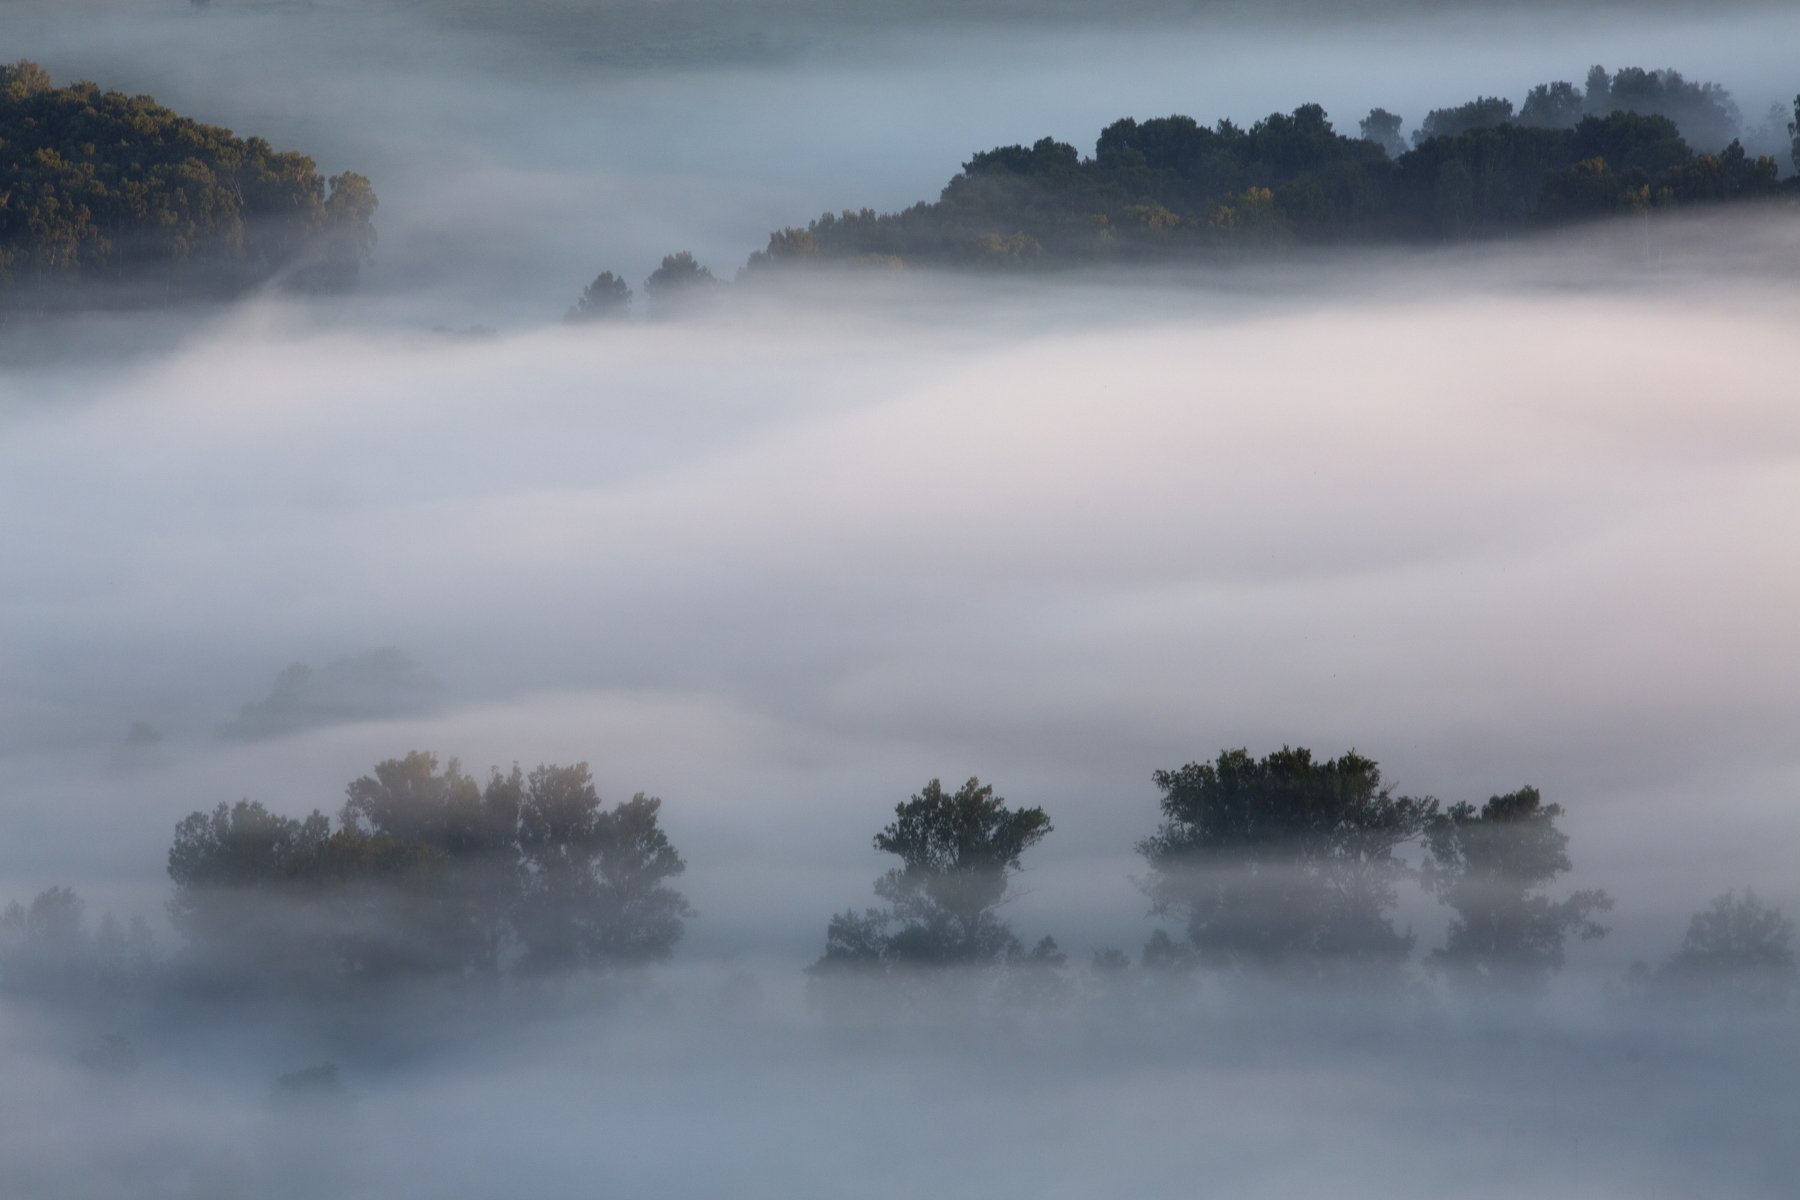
[(101, 192), (1171, 187)]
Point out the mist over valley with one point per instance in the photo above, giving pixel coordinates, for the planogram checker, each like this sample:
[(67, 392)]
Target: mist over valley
[(456, 748)]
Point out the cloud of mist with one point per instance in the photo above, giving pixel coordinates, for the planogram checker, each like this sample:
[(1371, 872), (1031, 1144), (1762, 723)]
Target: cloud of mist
[(1495, 516), (783, 564)]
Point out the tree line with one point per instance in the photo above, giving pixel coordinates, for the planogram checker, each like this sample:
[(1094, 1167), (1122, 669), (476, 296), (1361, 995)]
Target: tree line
[(103, 191), (1285, 867), (1634, 141)]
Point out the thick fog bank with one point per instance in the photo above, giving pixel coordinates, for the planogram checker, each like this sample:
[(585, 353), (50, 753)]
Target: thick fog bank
[(687, 1093), (1489, 523)]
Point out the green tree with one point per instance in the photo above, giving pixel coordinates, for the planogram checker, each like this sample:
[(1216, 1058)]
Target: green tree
[(1552, 106), (428, 875), (1480, 113), (1491, 867), (100, 189), (596, 888), (1285, 863), (957, 852), (237, 873), (608, 298), (474, 832)]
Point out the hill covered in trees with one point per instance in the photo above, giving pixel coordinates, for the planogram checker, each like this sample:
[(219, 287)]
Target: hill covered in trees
[(115, 197), (1638, 141)]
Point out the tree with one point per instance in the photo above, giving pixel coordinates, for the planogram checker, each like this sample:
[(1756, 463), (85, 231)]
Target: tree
[(1552, 106), (595, 881), (1491, 866), (1481, 113), (606, 299), (1383, 128), (428, 875), (108, 189), (475, 831), (1738, 950), (678, 281), (1285, 863), (957, 852)]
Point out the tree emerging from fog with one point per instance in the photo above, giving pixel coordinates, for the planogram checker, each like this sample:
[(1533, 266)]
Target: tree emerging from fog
[(608, 298), (429, 874), (1491, 866), (958, 851), (1284, 864), (1738, 952)]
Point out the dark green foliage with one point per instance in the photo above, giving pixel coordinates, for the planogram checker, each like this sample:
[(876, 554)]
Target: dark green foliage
[(957, 851), (428, 875), (595, 881), (1172, 188), (1284, 863), (99, 188), (607, 298), (1704, 112), (1491, 866), (1552, 106), (1484, 113)]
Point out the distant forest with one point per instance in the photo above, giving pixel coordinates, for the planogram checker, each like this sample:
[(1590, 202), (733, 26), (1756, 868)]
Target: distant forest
[(1285, 867), (1170, 189), (111, 197)]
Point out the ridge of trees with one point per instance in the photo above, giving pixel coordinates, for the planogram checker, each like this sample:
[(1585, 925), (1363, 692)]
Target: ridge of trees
[(1171, 188), (1284, 867), (100, 190)]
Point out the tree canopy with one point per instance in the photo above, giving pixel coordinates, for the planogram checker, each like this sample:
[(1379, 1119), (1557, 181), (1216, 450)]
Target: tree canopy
[(429, 874), (607, 298), (99, 188), (1170, 187), (1491, 866), (1284, 863), (958, 851)]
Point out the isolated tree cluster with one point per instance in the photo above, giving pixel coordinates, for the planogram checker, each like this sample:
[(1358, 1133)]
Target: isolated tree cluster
[(1285, 868), (429, 873)]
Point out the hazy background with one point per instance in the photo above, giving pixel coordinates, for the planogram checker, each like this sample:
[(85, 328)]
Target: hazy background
[(1494, 517)]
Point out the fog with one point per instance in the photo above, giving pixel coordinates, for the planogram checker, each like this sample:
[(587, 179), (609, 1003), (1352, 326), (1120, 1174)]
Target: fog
[(1495, 516)]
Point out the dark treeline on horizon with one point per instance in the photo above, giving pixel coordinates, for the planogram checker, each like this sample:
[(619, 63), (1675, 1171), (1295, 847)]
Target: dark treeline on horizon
[(1635, 141), (114, 199), (1283, 869), (1168, 189)]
